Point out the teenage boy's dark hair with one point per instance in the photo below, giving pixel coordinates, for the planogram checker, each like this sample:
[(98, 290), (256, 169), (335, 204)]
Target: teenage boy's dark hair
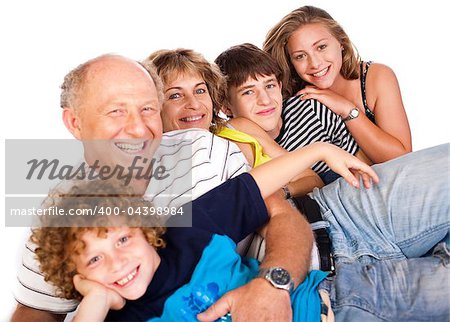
[(240, 62)]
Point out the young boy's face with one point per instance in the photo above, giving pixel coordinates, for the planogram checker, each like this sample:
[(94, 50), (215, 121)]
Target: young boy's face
[(123, 261), (260, 101)]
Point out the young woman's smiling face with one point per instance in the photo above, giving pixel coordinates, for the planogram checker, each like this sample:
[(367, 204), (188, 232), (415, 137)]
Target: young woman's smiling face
[(123, 261), (315, 54)]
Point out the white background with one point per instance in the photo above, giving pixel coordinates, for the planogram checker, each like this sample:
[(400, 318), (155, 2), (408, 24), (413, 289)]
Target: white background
[(42, 40)]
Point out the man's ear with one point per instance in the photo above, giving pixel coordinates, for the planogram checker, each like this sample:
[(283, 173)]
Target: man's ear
[(70, 119)]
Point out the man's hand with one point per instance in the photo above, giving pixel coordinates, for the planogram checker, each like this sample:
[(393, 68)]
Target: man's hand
[(255, 301)]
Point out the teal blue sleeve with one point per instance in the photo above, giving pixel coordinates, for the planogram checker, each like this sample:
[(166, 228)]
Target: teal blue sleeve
[(220, 270)]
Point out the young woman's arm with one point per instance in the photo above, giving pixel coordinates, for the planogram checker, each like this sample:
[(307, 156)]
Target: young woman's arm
[(390, 137)]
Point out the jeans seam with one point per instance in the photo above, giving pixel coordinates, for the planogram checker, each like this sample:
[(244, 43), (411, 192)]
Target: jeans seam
[(422, 235), (363, 306)]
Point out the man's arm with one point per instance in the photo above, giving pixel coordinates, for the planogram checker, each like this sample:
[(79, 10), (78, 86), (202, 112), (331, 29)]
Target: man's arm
[(288, 245), (32, 290), (26, 314), (289, 238)]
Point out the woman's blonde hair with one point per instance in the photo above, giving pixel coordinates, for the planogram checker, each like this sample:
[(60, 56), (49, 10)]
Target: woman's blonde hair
[(172, 63), (277, 38)]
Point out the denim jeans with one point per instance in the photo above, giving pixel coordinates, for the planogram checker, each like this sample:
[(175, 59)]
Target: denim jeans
[(380, 235), (416, 289), (403, 216)]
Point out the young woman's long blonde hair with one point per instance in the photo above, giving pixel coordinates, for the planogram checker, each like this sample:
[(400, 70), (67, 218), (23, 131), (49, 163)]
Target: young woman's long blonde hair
[(277, 38)]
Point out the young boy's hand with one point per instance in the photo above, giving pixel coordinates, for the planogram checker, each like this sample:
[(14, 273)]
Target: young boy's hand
[(90, 289), (348, 166)]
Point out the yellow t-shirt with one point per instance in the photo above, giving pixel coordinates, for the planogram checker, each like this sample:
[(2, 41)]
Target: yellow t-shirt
[(238, 136)]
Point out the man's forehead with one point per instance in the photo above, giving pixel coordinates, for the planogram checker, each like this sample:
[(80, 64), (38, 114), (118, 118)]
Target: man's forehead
[(116, 66), (118, 75)]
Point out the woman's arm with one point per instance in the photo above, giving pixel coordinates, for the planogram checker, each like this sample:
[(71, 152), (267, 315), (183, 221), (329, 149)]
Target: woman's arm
[(390, 137)]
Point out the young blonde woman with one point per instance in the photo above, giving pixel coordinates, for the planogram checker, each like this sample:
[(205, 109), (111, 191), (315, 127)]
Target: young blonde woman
[(319, 62)]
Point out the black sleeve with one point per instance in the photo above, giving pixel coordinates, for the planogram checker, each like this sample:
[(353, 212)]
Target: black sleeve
[(235, 208)]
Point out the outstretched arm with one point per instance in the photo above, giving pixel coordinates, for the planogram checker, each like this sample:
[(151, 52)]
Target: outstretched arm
[(303, 183), (272, 175)]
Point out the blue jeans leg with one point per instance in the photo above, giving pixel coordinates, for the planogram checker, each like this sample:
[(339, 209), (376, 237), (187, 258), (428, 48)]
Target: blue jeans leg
[(404, 216), (415, 289)]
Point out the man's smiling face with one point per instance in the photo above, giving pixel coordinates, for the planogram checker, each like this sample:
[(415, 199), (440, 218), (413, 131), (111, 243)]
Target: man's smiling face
[(118, 112)]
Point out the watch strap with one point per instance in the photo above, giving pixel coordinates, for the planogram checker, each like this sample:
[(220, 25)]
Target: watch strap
[(351, 115), (266, 274), (287, 193)]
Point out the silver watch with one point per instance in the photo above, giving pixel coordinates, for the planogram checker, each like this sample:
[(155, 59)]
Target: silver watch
[(354, 113), (278, 277)]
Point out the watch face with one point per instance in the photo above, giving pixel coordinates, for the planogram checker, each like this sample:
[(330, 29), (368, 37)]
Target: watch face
[(354, 113), (280, 276)]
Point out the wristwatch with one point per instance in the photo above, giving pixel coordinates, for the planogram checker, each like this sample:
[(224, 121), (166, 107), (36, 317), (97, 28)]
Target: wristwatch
[(287, 193), (278, 277), (354, 113)]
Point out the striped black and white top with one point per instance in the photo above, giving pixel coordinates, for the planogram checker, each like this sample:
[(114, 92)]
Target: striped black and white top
[(197, 162), (308, 121)]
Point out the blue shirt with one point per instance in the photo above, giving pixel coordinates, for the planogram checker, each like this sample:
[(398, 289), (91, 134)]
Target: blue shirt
[(234, 209)]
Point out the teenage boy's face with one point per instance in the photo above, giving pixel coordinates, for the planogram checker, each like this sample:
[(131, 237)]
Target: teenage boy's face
[(260, 101), (123, 261)]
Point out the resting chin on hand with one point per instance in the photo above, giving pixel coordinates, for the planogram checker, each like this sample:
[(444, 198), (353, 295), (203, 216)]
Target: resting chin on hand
[(256, 301)]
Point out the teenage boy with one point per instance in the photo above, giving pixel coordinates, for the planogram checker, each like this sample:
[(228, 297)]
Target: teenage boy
[(254, 92)]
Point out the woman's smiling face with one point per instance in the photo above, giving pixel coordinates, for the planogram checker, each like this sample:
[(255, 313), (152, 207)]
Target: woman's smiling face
[(187, 103), (315, 54)]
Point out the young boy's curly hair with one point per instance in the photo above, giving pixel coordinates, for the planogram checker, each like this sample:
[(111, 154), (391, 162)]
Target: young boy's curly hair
[(57, 246)]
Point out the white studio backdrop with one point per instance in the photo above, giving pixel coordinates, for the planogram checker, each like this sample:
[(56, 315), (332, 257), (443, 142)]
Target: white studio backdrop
[(42, 40)]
